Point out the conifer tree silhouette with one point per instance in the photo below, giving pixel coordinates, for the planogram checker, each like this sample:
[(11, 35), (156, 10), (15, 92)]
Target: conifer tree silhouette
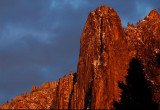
[(136, 94)]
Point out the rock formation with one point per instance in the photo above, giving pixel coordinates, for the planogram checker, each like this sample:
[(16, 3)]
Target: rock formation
[(144, 42), (39, 98), (105, 53), (63, 92), (42, 97), (102, 62)]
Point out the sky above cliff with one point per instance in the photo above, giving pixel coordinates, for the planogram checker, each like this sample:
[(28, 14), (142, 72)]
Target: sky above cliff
[(40, 39)]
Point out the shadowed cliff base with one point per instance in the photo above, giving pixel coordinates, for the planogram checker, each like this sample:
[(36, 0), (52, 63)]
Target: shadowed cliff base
[(137, 93), (158, 60), (70, 97)]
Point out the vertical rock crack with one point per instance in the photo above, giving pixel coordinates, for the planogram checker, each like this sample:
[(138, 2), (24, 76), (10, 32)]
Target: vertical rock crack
[(101, 46)]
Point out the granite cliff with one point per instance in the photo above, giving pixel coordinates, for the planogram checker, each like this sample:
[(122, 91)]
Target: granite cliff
[(105, 53)]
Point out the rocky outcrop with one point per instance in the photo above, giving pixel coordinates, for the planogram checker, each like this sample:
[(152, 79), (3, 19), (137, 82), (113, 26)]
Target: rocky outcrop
[(63, 92), (106, 50), (39, 98), (50, 95), (105, 53), (144, 42)]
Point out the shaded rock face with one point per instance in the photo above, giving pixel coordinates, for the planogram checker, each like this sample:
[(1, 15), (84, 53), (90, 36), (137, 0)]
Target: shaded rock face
[(105, 53)]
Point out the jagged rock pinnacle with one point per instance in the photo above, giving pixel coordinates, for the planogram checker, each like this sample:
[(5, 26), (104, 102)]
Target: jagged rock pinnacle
[(152, 15), (98, 66)]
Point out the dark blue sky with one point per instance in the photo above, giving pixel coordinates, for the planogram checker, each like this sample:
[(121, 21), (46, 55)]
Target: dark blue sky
[(40, 39)]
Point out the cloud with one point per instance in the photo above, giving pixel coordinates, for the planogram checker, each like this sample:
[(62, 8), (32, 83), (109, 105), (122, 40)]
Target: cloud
[(11, 34), (72, 3)]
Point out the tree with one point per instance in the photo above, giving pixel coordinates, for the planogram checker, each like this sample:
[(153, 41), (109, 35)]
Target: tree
[(128, 24), (136, 94)]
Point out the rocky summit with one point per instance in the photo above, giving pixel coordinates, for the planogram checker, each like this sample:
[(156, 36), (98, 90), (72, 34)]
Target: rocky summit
[(105, 54)]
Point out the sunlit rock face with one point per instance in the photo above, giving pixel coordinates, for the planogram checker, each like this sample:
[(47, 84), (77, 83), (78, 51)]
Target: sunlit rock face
[(144, 42), (103, 60), (63, 92), (105, 53), (39, 98), (50, 95)]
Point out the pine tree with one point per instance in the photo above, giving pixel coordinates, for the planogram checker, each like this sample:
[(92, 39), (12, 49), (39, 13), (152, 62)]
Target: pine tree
[(128, 24), (136, 95)]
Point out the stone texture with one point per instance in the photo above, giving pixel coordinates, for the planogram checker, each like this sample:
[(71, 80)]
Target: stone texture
[(106, 50), (102, 62), (50, 95), (144, 42), (63, 92), (39, 98)]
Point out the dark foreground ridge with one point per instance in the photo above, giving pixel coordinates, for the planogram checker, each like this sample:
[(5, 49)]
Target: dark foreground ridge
[(105, 54)]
